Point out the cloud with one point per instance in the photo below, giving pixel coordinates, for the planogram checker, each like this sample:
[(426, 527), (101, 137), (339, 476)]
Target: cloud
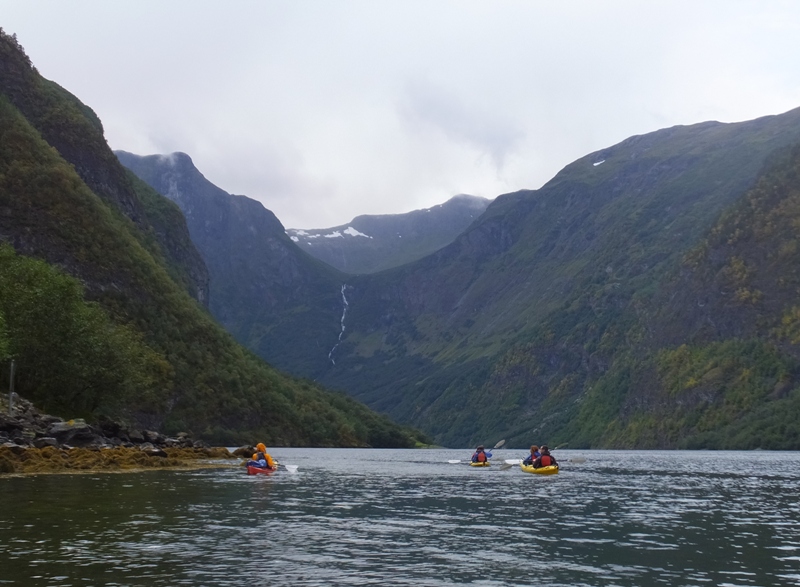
[(324, 111), (430, 107)]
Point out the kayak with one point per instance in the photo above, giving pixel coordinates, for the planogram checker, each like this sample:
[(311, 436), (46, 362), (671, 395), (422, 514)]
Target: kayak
[(551, 470), (260, 470), (484, 464)]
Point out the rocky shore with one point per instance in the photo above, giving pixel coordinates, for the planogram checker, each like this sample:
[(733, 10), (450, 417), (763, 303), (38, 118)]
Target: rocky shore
[(33, 442)]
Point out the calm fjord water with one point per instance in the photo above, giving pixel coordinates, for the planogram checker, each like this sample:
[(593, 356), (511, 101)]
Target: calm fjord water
[(402, 517)]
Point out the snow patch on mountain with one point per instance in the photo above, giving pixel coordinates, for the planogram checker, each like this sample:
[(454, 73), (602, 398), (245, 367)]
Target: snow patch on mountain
[(353, 232)]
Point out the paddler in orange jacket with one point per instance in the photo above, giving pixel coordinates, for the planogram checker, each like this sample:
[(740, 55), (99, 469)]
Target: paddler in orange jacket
[(262, 458)]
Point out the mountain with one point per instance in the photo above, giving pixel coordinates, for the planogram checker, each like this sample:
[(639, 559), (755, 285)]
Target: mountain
[(372, 243), (541, 304), (272, 296), (606, 309), (102, 293)]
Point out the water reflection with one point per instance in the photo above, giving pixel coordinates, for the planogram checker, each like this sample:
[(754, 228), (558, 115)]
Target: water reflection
[(358, 517)]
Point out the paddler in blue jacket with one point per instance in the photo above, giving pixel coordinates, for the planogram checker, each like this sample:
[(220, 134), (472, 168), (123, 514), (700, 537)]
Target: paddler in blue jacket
[(535, 454)]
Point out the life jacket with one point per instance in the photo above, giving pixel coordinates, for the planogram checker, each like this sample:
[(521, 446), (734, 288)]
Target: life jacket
[(479, 457), (546, 460), (260, 456)]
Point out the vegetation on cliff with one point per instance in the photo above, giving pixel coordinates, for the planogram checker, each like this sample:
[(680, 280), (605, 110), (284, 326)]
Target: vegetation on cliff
[(709, 358)]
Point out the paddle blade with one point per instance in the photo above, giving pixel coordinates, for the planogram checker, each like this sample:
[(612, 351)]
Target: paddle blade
[(291, 468), (505, 467), (513, 461), (501, 443), (454, 461)]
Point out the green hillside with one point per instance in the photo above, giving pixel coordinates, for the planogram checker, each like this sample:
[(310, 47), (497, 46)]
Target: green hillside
[(719, 361), (538, 308), (103, 322)]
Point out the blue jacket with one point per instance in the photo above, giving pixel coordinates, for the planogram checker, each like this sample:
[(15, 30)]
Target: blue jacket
[(531, 457)]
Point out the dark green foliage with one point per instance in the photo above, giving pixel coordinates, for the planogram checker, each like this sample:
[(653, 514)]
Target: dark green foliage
[(3, 337), (75, 132), (734, 384), (724, 395), (70, 357)]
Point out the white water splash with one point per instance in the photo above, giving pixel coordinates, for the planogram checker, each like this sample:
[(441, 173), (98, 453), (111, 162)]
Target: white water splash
[(344, 315)]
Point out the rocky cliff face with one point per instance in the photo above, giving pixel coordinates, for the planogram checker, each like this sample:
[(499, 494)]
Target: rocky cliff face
[(260, 279), (372, 243)]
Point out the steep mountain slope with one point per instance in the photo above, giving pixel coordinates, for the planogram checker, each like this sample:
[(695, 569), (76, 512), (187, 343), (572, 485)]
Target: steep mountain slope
[(527, 308), (273, 297), (76, 133), (372, 243), (719, 364), (65, 199)]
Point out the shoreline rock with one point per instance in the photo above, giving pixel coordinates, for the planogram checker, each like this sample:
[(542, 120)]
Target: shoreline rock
[(28, 427)]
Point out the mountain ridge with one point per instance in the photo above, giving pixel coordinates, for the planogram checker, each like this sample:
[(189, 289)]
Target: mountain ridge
[(384, 241)]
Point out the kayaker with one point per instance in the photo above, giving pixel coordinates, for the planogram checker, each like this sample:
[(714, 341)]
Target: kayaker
[(261, 458), (545, 459), (480, 455), (535, 454)]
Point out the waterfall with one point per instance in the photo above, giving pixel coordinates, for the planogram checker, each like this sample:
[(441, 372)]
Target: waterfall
[(341, 332)]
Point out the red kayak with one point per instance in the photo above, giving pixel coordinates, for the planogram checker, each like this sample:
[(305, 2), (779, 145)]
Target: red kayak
[(259, 470)]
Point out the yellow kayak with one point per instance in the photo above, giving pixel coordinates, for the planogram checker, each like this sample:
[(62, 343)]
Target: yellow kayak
[(551, 470), (484, 464)]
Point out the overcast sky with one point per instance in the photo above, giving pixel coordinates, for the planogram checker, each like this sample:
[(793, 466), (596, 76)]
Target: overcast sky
[(327, 110)]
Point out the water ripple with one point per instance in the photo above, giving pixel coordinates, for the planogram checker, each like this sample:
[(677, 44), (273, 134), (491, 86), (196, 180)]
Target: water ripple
[(374, 517)]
